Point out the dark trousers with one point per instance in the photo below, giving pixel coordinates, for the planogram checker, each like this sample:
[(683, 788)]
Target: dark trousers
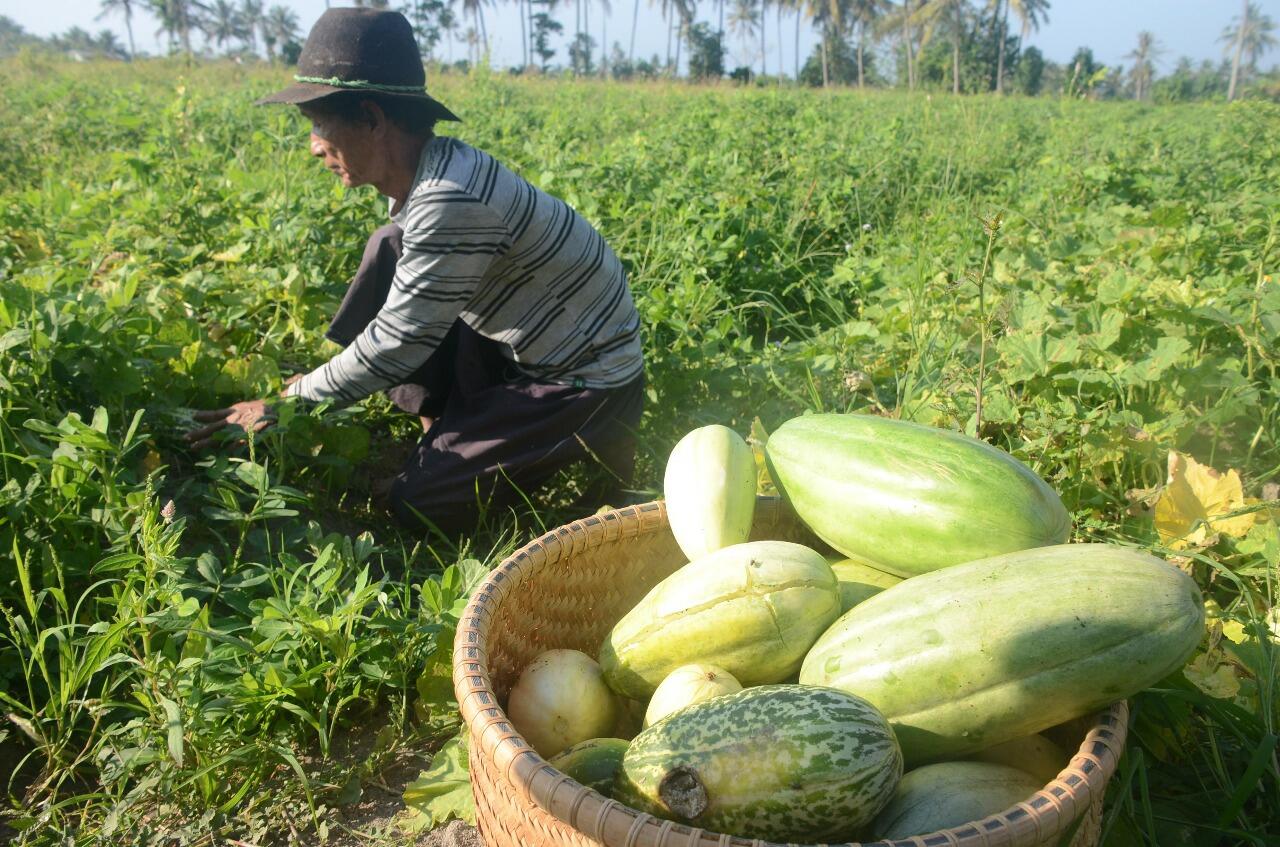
[(497, 435)]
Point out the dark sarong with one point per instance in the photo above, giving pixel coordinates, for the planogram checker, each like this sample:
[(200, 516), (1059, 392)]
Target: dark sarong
[(497, 435)]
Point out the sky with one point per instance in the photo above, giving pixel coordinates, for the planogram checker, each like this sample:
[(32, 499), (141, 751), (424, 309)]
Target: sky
[(1182, 28)]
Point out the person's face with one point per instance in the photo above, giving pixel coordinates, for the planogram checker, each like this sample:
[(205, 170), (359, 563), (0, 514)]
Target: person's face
[(344, 147)]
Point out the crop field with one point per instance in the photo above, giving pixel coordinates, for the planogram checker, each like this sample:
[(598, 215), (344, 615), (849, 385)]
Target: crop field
[(234, 644)]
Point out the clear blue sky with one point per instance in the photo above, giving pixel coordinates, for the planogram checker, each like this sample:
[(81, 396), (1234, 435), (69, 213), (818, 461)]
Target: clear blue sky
[(1110, 27)]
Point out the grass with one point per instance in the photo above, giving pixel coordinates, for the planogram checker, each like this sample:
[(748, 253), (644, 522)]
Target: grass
[(250, 660)]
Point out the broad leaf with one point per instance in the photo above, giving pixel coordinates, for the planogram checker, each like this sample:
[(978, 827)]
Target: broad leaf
[(1196, 503), (444, 790)]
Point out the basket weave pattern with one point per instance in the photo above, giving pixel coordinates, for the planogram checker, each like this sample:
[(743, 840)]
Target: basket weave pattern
[(566, 590)]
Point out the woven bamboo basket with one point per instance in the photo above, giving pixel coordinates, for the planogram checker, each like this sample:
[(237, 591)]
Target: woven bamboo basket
[(566, 590)]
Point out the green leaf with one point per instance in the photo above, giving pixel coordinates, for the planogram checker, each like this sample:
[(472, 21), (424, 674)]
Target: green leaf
[(1166, 354), (444, 790), (253, 475), (173, 724)]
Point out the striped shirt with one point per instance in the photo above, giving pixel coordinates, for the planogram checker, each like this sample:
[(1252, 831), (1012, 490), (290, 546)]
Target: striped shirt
[(517, 265)]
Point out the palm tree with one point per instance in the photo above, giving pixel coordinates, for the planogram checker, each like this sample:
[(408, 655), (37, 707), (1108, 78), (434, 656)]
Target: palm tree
[(125, 7), (935, 13), (177, 19), (1143, 69), (864, 14), (686, 11), (475, 8), (251, 20), (473, 45), (1030, 13), (223, 23), (744, 17), (788, 6), (281, 27), (827, 16), (903, 19), (635, 22), (109, 45), (1251, 34), (764, 11), (586, 23)]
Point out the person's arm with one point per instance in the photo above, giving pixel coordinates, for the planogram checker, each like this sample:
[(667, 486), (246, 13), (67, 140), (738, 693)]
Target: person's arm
[(450, 241)]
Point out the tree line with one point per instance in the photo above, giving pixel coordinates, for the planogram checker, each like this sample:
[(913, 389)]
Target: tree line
[(964, 46)]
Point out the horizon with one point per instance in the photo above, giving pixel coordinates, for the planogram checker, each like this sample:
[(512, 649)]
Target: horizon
[(1183, 28)]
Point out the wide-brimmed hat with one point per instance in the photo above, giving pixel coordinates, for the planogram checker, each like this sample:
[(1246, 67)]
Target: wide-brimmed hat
[(364, 50)]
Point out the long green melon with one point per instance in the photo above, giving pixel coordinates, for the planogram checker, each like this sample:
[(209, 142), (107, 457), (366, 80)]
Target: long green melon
[(710, 488), (594, 763), (858, 581), (753, 609), (950, 794), (984, 652), (908, 498), (778, 762)]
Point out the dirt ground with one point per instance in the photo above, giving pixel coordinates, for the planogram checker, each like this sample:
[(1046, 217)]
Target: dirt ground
[(452, 834)]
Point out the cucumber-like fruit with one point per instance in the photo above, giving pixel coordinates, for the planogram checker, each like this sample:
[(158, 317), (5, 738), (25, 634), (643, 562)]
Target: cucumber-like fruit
[(710, 489), (858, 581), (777, 762), (980, 653), (594, 763), (950, 794), (753, 609), (908, 498), (561, 699)]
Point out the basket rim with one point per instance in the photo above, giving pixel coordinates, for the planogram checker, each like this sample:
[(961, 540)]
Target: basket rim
[(494, 737)]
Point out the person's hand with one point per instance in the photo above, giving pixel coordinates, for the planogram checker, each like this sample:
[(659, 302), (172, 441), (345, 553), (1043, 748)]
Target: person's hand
[(284, 392), (250, 415)]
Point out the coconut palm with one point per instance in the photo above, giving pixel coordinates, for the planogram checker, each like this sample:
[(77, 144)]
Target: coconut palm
[(665, 8), (744, 18), (177, 19), (948, 14), (586, 23), (902, 19), (795, 7), (251, 20), (281, 27), (223, 23), (1030, 13), (827, 16), (1144, 56), (764, 49), (864, 15), (1250, 34), (109, 45), (475, 8), (124, 7)]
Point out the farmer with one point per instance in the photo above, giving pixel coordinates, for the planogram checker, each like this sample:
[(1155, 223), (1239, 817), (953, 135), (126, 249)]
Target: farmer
[(488, 308)]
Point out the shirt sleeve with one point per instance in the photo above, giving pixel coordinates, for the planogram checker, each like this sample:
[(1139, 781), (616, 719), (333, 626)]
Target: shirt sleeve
[(450, 241)]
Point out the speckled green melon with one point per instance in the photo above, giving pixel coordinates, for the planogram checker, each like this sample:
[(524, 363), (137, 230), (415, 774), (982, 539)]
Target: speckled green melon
[(753, 609), (950, 794), (987, 651), (594, 763), (858, 581), (778, 762), (908, 498)]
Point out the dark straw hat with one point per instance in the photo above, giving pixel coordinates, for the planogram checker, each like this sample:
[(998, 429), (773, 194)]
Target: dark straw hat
[(360, 50)]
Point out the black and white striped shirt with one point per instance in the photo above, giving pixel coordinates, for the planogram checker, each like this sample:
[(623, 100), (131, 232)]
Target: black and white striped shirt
[(516, 264)]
